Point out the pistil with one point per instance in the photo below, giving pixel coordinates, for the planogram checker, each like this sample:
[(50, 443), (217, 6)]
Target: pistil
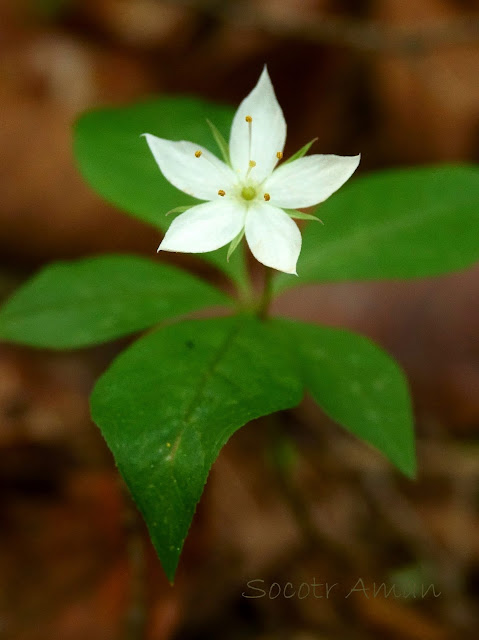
[(248, 193)]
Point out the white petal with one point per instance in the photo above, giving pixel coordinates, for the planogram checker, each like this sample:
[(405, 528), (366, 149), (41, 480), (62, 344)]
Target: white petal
[(309, 180), (268, 131), (200, 177), (206, 227), (274, 239)]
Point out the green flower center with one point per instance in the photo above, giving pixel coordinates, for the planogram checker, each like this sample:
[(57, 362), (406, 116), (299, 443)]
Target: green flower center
[(248, 193)]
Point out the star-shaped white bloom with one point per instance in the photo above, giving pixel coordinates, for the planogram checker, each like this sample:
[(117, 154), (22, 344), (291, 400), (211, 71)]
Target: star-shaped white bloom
[(249, 195)]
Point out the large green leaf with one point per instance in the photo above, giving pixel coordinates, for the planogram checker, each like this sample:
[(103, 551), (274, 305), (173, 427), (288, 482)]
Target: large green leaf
[(359, 386), (395, 224), (84, 302), (117, 163), (170, 402)]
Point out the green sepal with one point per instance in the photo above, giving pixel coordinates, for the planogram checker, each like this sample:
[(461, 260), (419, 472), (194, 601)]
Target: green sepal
[(302, 152), (300, 215), (221, 142), (179, 209), (234, 243)]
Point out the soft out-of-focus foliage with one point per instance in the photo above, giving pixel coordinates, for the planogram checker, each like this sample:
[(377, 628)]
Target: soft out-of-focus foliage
[(114, 160), (87, 302), (112, 157), (359, 386), (395, 224)]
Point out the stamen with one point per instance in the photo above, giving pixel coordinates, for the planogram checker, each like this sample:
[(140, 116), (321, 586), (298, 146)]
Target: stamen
[(249, 120), (221, 193), (267, 197), (251, 165), (279, 155), (200, 154)]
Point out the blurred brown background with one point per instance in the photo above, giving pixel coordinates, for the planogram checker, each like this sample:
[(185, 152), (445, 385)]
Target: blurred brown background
[(396, 80)]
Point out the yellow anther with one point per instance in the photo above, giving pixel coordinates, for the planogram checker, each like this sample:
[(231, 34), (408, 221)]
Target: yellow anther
[(221, 193), (252, 163), (279, 155), (198, 153), (249, 119), (267, 197)]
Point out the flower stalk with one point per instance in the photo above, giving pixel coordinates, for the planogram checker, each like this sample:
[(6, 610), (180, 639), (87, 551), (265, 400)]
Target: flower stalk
[(267, 294)]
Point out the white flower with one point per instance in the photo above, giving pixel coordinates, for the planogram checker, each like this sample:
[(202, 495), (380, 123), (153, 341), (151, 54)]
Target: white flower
[(249, 195)]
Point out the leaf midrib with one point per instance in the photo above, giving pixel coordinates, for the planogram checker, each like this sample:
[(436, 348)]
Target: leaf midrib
[(205, 377)]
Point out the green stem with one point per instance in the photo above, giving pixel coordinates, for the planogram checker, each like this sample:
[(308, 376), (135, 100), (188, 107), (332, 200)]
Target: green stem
[(245, 285), (267, 295), (136, 614)]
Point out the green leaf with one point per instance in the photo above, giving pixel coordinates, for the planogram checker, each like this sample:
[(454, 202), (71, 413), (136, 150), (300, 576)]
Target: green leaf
[(359, 386), (170, 402), (302, 152), (118, 165), (404, 223), (85, 302)]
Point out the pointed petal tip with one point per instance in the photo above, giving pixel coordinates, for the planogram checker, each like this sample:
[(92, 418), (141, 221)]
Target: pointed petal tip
[(163, 247), (354, 160), (265, 77), (290, 271)]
